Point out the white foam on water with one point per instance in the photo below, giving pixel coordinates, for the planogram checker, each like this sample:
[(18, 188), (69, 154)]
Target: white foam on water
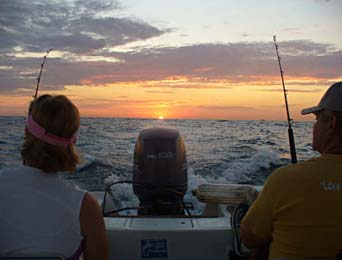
[(123, 195), (242, 170), (193, 182), (86, 161)]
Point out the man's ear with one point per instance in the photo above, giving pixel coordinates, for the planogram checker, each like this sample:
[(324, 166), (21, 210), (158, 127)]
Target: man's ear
[(332, 124)]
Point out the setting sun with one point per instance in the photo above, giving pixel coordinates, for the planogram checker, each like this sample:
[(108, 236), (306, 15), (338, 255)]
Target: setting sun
[(160, 117)]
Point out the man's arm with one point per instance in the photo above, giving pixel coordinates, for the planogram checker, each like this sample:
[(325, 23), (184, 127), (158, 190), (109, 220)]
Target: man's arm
[(256, 227), (252, 241), (259, 246)]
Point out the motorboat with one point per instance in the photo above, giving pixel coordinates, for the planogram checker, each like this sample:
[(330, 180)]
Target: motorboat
[(162, 225)]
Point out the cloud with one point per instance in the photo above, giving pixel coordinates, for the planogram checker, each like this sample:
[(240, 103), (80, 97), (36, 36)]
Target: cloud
[(160, 92), (207, 64), (294, 31), (239, 108), (305, 48), (78, 26), (292, 90), (117, 102), (84, 32), (322, 1)]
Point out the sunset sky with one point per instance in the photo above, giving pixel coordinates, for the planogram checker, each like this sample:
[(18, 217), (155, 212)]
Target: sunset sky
[(200, 59)]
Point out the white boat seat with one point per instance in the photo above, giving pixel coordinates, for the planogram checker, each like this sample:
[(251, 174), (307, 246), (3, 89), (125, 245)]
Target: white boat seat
[(227, 194)]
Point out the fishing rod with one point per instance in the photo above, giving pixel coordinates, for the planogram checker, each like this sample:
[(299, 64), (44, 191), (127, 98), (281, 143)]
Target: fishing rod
[(40, 72), (289, 120)]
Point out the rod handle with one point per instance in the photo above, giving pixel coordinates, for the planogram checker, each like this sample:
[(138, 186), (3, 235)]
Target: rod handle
[(292, 146)]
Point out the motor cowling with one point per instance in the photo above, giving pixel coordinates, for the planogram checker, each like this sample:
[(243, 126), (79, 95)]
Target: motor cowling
[(160, 171)]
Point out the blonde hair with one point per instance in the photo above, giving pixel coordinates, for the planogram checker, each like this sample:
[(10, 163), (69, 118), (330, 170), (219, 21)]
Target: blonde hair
[(60, 117)]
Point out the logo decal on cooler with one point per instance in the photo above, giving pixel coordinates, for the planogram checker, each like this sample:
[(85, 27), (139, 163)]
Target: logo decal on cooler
[(154, 248)]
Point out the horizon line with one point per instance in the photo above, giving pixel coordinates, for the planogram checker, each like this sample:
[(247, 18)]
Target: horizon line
[(169, 119)]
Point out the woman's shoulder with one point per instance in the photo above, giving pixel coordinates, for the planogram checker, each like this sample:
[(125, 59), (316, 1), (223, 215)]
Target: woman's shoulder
[(13, 170)]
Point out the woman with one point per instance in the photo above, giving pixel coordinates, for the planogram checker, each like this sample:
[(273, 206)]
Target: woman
[(40, 212)]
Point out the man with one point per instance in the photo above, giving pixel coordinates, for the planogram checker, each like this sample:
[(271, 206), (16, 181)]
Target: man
[(298, 214)]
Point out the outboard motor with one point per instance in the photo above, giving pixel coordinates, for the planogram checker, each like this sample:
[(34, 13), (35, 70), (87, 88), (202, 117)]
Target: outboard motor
[(160, 172)]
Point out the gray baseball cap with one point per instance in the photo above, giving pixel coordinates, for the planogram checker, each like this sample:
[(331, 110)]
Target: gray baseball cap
[(332, 100)]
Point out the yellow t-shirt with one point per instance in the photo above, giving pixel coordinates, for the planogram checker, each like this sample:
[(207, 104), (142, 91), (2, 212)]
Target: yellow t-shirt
[(300, 209)]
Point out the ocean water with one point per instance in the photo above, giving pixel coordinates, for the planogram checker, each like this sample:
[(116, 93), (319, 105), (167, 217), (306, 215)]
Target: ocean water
[(221, 151)]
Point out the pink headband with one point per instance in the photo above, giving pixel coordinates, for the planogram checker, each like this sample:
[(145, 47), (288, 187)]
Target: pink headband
[(40, 133)]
